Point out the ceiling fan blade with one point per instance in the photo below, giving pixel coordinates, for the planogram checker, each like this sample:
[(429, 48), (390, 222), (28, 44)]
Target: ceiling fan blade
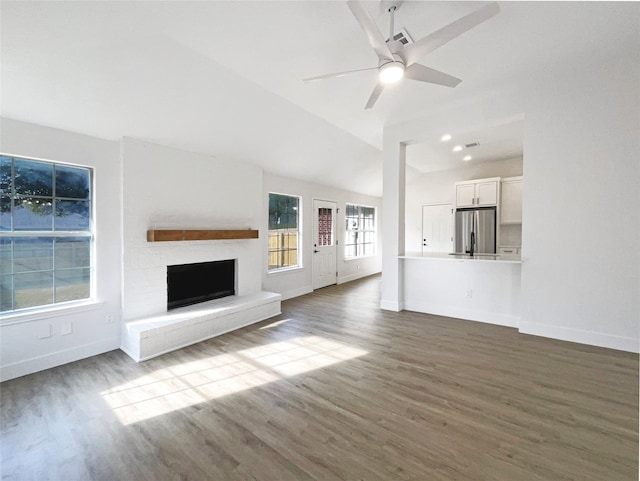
[(374, 95), (437, 39), (337, 74), (426, 74), (376, 40)]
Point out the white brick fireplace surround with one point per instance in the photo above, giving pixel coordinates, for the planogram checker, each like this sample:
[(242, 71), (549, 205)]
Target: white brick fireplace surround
[(152, 336), (187, 191)]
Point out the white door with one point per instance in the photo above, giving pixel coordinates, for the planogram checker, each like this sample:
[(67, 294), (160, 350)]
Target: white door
[(437, 228), (325, 267)]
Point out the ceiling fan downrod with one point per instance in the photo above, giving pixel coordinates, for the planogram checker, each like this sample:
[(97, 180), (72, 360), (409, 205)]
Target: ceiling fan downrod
[(392, 11)]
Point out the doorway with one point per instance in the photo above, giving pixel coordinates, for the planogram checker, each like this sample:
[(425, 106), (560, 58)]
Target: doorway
[(437, 228), (325, 267)]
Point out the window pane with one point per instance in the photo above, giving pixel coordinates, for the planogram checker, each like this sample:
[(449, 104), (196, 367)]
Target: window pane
[(30, 213), (325, 227), (5, 256), (5, 175), (5, 212), (72, 252), (72, 284), (72, 214), (361, 231), (72, 182), (33, 178), (283, 212), (33, 254), (33, 289), (6, 293), (283, 231)]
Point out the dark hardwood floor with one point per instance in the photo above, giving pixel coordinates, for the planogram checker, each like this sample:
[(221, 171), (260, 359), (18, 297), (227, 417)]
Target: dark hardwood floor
[(333, 389)]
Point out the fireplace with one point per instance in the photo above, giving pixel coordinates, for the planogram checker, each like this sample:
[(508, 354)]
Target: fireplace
[(193, 283)]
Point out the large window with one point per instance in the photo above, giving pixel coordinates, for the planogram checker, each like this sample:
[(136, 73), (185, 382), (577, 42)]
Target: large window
[(45, 233), (284, 234), (360, 231)]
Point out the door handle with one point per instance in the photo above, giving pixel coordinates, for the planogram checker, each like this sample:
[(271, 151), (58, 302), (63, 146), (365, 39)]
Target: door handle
[(315, 251)]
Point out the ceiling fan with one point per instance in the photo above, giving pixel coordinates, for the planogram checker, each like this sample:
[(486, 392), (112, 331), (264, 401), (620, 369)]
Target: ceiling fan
[(395, 60)]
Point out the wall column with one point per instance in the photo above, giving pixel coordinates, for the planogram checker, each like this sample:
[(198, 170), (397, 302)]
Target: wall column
[(393, 188)]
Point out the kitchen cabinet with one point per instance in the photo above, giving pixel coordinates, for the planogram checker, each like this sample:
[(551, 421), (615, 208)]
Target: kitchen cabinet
[(511, 200), (480, 192)]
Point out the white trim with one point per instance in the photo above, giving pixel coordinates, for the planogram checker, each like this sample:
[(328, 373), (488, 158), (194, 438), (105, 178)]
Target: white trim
[(300, 229), (487, 317), (49, 311), (581, 336), (356, 276), (29, 366), (46, 233), (394, 306), (284, 270)]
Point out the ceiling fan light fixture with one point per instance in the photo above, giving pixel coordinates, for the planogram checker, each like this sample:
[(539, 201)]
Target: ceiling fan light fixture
[(391, 72)]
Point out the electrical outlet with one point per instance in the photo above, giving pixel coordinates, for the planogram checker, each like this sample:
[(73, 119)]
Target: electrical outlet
[(469, 294), (109, 318)]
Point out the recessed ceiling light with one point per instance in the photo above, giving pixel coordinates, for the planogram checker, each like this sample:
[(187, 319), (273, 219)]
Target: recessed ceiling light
[(445, 138), (467, 157), (457, 148)]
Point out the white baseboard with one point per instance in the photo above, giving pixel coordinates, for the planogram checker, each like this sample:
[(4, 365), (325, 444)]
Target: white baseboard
[(355, 276), (446, 310), (394, 306), (592, 338), (29, 366)]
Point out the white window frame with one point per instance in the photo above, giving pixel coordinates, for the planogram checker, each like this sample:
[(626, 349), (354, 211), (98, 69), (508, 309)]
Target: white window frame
[(347, 245), (298, 231), (20, 313)]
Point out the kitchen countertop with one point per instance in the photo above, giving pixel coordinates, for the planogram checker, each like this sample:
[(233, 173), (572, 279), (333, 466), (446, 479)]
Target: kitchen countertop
[(442, 256)]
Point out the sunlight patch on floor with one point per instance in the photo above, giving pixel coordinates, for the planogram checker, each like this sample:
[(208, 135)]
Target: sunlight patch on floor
[(188, 384), (275, 324)]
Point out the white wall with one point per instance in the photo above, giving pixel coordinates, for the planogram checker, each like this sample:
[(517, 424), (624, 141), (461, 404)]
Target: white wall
[(171, 188), (438, 188), (582, 169), (581, 227), (296, 282), (21, 349)]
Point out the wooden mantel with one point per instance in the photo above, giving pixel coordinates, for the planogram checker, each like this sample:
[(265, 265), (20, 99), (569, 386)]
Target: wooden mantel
[(163, 235)]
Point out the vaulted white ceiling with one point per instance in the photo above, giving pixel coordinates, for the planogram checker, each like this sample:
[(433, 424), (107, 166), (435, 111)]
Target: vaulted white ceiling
[(224, 78)]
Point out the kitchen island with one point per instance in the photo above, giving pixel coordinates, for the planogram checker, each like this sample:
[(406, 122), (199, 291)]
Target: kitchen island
[(483, 288)]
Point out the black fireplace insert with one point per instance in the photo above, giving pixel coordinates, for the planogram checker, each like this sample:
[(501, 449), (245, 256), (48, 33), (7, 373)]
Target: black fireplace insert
[(193, 283)]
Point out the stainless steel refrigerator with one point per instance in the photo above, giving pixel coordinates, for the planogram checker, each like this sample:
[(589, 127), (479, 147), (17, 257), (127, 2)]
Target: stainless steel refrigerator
[(476, 230)]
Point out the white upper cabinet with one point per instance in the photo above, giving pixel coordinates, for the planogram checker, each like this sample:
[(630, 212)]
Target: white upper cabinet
[(511, 201), (465, 194), (477, 193)]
